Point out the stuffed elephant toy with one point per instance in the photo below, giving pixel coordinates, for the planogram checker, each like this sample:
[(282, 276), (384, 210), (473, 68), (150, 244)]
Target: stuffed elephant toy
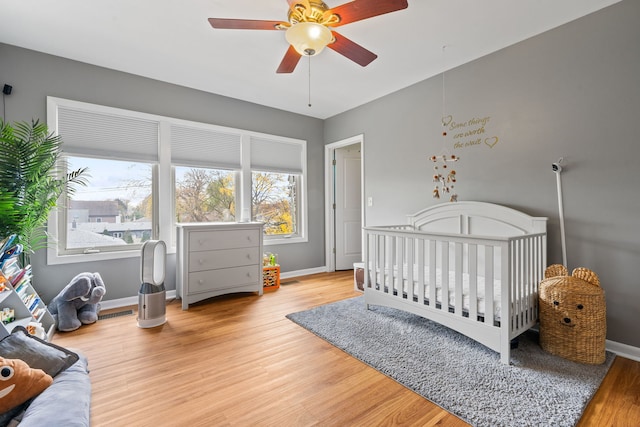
[(78, 303)]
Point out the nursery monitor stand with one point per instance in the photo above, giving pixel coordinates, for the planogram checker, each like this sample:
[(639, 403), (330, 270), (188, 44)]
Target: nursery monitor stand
[(152, 295)]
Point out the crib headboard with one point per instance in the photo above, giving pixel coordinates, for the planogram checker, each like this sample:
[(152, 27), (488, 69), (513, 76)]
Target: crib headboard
[(477, 218)]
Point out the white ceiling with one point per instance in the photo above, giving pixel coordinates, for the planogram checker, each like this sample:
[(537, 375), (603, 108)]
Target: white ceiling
[(172, 41)]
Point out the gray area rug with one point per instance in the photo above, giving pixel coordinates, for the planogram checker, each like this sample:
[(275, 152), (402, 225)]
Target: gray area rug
[(456, 373)]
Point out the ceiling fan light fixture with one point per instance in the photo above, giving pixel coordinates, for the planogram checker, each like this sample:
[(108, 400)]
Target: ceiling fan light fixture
[(308, 38)]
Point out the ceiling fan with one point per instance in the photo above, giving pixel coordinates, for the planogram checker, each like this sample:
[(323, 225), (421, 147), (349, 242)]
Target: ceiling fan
[(309, 28)]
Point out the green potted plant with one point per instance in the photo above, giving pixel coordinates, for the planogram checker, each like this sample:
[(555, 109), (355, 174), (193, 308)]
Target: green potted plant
[(31, 181)]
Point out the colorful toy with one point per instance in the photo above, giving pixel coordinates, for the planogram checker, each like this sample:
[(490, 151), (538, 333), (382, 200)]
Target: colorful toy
[(20, 383), (78, 303), (8, 315)]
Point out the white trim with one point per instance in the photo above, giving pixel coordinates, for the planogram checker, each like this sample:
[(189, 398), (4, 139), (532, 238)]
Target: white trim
[(54, 259), (306, 272), (624, 350), (129, 301), (329, 150)]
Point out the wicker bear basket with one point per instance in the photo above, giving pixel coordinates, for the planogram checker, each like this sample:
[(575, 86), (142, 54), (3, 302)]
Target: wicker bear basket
[(573, 320)]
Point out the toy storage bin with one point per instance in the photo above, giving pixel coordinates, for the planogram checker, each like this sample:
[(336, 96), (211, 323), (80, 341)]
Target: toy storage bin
[(271, 277), (573, 321)]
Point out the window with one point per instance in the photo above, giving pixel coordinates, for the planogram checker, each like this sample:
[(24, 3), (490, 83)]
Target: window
[(277, 196), (113, 210), (147, 172), (204, 195), (274, 201)]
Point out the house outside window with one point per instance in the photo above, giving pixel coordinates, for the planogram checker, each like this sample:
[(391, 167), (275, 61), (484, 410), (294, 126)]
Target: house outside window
[(114, 209)]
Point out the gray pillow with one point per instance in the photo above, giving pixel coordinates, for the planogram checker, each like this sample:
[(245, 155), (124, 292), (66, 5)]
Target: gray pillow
[(35, 352)]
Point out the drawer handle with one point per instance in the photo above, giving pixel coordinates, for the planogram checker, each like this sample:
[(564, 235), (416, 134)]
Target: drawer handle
[(200, 281), (200, 262)]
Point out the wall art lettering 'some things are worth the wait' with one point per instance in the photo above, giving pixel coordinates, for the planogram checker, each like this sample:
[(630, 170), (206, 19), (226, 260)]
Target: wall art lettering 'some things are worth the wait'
[(469, 133)]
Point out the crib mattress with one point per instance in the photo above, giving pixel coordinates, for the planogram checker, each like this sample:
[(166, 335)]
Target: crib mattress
[(480, 300)]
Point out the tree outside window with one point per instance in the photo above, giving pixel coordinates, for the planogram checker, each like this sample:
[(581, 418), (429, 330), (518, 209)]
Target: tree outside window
[(274, 202), (204, 195)]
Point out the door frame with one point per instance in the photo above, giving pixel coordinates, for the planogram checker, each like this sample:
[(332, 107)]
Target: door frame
[(329, 178)]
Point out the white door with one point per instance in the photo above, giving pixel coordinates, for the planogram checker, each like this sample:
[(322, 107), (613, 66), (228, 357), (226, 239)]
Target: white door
[(348, 207)]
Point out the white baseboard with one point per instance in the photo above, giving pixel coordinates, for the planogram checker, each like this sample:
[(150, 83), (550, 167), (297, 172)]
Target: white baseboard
[(297, 273), (624, 350), (126, 302)]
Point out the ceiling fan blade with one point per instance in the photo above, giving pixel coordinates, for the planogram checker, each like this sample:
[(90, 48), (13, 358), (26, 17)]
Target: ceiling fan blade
[(351, 50), (289, 61), (245, 24), (357, 10)]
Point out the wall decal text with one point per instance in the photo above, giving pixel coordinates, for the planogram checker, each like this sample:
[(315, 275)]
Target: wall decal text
[(469, 133)]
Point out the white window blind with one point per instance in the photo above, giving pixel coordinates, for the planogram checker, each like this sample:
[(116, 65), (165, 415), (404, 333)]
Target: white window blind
[(191, 146), (276, 156), (94, 133)]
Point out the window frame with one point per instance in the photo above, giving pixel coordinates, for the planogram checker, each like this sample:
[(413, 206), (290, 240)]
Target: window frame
[(163, 183), (61, 226), (299, 234)]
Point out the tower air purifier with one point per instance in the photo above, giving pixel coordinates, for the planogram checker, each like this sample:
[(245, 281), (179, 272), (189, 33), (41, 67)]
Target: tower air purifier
[(152, 295)]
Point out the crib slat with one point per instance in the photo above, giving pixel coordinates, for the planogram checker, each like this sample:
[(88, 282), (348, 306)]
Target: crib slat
[(527, 286), (432, 273), (408, 263), (516, 282), (420, 262), (388, 267), (540, 266), (512, 279), (445, 275), (399, 267), (458, 279), (488, 286), (525, 282), (473, 281), (378, 262)]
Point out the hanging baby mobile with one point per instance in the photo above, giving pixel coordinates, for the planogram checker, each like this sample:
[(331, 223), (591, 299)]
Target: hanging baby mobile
[(444, 176)]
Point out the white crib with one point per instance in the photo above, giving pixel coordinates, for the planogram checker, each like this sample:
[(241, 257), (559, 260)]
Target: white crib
[(471, 266)]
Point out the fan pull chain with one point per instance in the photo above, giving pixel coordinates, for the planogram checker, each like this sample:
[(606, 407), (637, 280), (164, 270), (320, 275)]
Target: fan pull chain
[(309, 80)]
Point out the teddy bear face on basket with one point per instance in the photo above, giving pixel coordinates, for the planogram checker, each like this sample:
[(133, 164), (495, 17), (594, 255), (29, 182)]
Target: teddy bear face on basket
[(573, 320)]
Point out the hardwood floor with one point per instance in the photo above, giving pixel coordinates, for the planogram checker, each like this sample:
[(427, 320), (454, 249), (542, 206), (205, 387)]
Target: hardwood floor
[(236, 360)]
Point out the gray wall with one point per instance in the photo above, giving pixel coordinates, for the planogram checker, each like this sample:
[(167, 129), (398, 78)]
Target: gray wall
[(34, 76), (573, 92)]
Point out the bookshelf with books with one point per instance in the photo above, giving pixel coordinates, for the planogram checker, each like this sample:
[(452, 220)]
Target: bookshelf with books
[(20, 304)]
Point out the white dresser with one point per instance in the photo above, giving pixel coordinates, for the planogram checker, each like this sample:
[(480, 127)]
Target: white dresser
[(218, 258)]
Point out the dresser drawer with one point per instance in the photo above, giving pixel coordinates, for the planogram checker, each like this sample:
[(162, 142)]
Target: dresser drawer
[(224, 278), (209, 260), (223, 239)]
